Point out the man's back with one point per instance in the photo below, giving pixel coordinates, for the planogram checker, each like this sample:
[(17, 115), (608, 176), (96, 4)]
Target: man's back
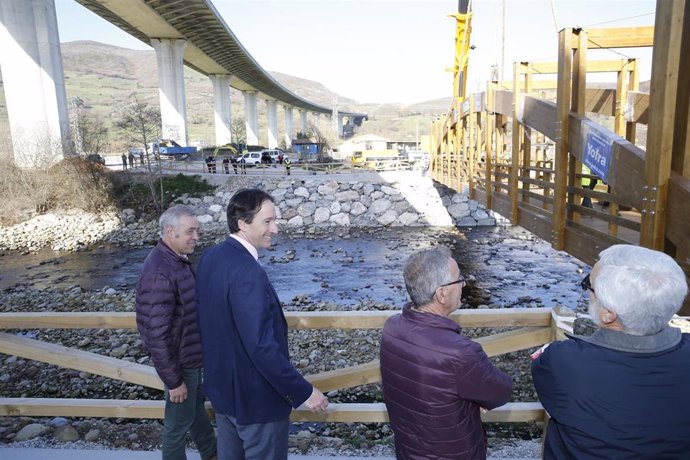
[(435, 380), (607, 403)]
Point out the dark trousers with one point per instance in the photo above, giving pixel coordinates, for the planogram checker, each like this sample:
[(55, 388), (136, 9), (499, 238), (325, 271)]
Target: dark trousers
[(188, 416), (258, 441)]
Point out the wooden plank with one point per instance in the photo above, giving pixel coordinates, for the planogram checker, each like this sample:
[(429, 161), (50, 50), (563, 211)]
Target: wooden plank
[(520, 339), (68, 320), (668, 35), (586, 243), (678, 221), (534, 221), (336, 412), (637, 107), (491, 317), (348, 377), (503, 103), (516, 143), (613, 65), (601, 101), (606, 217), (540, 115), (296, 319), (620, 37), (63, 407), (71, 358), (565, 67), (539, 197), (501, 204)]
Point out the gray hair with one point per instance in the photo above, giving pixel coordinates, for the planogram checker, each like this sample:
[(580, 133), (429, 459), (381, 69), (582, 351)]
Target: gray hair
[(424, 272), (171, 217), (644, 287)]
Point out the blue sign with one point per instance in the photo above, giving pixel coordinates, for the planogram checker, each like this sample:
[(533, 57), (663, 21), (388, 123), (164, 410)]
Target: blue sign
[(596, 150)]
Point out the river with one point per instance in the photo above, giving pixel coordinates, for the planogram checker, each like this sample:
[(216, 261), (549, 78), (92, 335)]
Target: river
[(506, 266)]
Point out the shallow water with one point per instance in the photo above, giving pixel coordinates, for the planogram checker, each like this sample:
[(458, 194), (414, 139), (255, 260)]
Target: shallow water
[(506, 266)]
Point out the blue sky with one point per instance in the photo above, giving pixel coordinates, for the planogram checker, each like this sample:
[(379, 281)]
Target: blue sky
[(390, 50)]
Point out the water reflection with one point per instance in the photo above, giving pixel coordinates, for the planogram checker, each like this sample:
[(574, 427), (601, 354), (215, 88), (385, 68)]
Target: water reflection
[(508, 266)]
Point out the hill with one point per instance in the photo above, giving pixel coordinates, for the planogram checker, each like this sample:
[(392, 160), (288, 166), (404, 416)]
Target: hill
[(105, 77)]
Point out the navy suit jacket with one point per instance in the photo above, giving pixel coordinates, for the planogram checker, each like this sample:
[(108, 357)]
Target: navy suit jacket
[(247, 370)]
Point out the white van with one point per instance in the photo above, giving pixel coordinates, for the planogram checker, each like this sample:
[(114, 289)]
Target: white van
[(250, 158)]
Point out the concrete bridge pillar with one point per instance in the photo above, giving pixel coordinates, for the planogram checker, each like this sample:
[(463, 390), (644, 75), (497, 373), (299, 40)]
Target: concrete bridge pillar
[(251, 117), (339, 125), (289, 131), (303, 121), (222, 108), (34, 82), (272, 122), (170, 56)]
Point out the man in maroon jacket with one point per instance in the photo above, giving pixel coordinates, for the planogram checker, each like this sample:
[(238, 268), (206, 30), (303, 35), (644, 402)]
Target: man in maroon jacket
[(435, 380), (166, 319)]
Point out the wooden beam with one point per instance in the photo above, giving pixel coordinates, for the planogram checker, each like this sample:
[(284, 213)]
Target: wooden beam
[(621, 37), (565, 68), (79, 360), (336, 412), (637, 110), (68, 320), (660, 134), (348, 377), (521, 339), (481, 317), (614, 65)]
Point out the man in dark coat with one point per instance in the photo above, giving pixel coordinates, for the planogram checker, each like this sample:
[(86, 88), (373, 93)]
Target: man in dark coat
[(249, 378), (166, 319), (622, 392), (435, 380)]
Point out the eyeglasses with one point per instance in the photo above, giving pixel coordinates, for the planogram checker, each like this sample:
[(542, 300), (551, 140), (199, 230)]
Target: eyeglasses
[(586, 284), (459, 280)]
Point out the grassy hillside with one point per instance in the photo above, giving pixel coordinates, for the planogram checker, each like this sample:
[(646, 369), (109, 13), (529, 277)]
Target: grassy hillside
[(105, 77)]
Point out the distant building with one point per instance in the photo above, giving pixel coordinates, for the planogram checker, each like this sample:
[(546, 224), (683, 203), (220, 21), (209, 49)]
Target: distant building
[(308, 150), (363, 142)]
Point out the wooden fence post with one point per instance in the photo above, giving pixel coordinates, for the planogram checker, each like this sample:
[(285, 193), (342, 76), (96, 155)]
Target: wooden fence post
[(663, 105), (565, 65)]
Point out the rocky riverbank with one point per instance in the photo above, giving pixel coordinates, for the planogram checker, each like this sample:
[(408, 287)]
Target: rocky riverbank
[(304, 205)]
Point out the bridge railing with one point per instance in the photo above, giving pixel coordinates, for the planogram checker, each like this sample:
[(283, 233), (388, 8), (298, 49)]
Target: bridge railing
[(529, 328), (519, 147)]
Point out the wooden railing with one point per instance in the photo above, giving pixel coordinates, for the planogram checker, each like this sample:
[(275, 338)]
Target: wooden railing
[(519, 147), (529, 328)]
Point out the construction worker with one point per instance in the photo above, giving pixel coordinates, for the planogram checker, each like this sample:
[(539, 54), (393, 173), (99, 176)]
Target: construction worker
[(288, 164), (588, 183)]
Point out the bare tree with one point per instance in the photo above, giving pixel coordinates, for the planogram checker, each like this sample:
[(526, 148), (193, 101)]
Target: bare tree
[(142, 125), (93, 133), (322, 139), (238, 131)]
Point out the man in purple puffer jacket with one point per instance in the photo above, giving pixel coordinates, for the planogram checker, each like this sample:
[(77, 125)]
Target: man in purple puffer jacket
[(166, 318), (435, 380)]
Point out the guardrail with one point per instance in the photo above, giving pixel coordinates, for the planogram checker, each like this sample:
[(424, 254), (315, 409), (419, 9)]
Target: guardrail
[(531, 328)]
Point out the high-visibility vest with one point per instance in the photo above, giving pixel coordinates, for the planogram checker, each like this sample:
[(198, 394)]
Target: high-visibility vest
[(586, 180)]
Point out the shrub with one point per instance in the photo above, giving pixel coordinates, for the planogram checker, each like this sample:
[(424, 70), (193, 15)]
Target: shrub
[(70, 183)]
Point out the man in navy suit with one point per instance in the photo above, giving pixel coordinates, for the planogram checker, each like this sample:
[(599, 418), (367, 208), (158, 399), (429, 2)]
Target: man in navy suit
[(248, 375)]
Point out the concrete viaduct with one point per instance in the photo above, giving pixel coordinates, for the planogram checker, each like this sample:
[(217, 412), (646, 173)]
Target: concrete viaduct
[(182, 32)]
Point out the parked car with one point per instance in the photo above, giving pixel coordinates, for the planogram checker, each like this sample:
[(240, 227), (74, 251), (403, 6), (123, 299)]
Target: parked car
[(250, 158), (96, 158)]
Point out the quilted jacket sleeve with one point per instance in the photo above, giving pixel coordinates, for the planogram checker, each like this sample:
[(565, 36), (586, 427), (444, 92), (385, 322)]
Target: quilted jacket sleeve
[(156, 305), (480, 381)]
